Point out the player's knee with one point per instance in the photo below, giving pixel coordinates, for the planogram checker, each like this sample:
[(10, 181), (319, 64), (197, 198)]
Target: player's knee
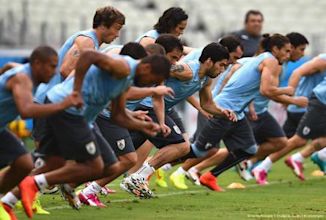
[(280, 143), (129, 160), (185, 148), (24, 164), (96, 166)]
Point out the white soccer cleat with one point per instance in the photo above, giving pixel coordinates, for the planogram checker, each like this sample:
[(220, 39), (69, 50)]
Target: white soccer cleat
[(137, 185), (244, 171), (193, 177)]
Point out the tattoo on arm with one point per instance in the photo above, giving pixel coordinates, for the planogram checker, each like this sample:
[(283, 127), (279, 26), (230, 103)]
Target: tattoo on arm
[(177, 68), (76, 53)]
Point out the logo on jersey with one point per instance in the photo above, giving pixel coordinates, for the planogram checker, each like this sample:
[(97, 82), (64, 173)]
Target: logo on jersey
[(90, 147), (208, 145), (177, 129), (306, 130), (121, 144)]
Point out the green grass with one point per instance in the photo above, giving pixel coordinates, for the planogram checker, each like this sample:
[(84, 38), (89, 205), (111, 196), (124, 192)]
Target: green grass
[(285, 198)]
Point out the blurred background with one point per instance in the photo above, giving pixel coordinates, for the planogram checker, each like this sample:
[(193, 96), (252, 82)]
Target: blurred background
[(25, 24)]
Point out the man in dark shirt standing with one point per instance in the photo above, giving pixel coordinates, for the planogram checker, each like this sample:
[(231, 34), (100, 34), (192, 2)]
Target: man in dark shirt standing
[(251, 34)]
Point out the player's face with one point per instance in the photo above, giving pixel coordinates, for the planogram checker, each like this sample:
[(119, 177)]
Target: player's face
[(174, 56), (234, 56), (254, 25), (111, 33), (145, 77), (297, 52), (283, 54), (47, 69), (179, 29), (217, 68)]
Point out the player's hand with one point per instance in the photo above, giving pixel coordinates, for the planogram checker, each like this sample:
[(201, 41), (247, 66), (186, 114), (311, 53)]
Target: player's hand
[(230, 115), (206, 114), (252, 116), (74, 99), (150, 128), (141, 115), (165, 130), (163, 91), (301, 101)]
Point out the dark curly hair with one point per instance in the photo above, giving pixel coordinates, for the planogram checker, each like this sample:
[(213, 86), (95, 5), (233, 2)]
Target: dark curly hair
[(170, 19)]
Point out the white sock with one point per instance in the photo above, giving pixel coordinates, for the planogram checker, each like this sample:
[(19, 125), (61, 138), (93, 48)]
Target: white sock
[(249, 164), (322, 154), (166, 167), (193, 170), (297, 157), (180, 171), (92, 188), (146, 170), (266, 164), (41, 181), (10, 199)]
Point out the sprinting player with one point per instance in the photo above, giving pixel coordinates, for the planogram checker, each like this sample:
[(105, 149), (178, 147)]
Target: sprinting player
[(259, 75), (70, 131), (268, 134), (235, 52), (311, 124), (306, 77), (17, 87), (117, 136), (209, 65)]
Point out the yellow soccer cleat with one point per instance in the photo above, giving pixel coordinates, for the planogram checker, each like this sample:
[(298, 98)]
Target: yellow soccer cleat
[(3, 213), (160, 178), (178, 180), (38, 209)]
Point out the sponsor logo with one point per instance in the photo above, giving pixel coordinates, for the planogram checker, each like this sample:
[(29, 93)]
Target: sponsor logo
[(121, 144), (91, 148), (306, 130)]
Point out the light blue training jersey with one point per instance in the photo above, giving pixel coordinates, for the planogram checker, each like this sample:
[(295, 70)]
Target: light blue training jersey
[(243, 86), (182, 89), (8, 108), (57, 78), (99, 88), (152, 34)]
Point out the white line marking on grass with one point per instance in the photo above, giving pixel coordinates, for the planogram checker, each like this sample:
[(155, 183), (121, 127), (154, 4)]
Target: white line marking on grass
[(184, 193)]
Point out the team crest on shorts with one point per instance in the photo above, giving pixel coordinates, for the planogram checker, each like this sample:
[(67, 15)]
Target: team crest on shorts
[(177, 129), (121, 144), (90, 147), (306, 130), (208, 145)]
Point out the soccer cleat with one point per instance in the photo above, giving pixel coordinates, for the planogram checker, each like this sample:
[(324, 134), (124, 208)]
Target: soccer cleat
[(296, 166), (6, 212), (210, 182), (136, 185), (260, 176), (106, 191), (160, 178), (28, 190), (90, 200), (69, 195), (178, 180), (244, 171), (193, 177), (50, 190), (38, 209), (321, 164)]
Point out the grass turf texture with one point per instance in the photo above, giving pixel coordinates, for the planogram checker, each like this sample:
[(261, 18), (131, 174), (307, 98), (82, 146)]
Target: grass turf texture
[(284, 198)]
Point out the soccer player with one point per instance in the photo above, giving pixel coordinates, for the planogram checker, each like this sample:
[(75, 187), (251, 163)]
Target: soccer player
[(212, 61), (117, 136), (16, 97), (307, 127), (235, 52), (259, 75), (70, 134)]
